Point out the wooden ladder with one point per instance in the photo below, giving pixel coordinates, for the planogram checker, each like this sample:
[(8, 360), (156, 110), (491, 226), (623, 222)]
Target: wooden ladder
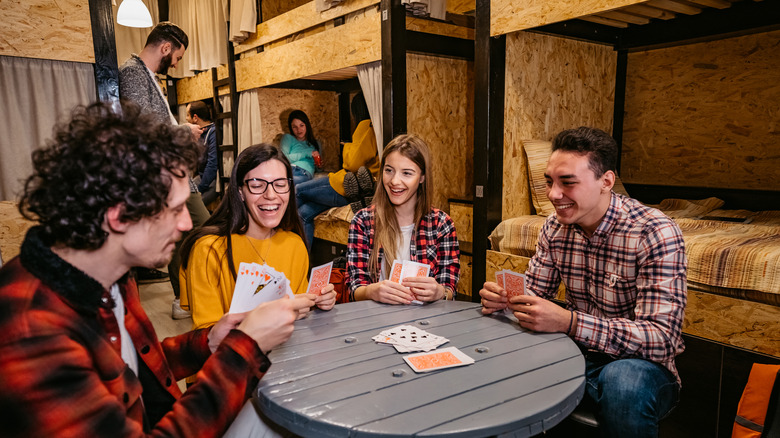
[(223, 174)]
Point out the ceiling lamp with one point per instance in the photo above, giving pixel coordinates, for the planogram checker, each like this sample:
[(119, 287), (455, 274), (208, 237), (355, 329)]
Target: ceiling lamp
[(133, 13)]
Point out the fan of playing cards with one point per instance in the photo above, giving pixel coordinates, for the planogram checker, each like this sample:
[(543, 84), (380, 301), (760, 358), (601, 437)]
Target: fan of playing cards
[(408, 268), (256, 284), (407, 338)]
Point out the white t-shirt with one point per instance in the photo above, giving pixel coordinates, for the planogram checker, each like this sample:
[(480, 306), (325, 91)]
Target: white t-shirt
[(128, 349)]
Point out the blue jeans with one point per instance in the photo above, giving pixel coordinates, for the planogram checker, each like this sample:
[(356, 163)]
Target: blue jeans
[(300, 175), (632, 395), (313, 197)]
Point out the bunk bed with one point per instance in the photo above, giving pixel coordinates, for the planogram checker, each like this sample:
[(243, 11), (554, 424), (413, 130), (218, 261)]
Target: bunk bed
[(586, 63)]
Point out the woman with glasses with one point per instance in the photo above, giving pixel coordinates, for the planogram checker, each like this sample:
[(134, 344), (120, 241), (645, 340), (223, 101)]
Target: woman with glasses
[(256, 222)]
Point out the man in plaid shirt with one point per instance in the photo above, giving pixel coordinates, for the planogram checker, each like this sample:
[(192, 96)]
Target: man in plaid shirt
[(78, 355), (624, 268)]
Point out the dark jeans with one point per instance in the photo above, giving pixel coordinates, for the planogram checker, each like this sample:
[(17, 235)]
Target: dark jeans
[(300, 175), (198, 214), (632, 395), (314, 197)]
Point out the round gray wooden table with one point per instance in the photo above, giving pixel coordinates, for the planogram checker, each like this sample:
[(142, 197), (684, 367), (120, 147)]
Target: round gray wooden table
[(331, 379)]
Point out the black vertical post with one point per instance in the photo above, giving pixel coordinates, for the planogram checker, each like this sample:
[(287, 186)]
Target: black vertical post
[(393, 69), (620, 102), (489, 64), (104, 43)]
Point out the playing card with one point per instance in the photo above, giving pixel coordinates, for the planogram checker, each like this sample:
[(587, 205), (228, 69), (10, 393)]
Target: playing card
[(414, 269), (256, 284), (444, 358), (407, 338), (395, 272), (319, 278), (514, 284), (500, 279)]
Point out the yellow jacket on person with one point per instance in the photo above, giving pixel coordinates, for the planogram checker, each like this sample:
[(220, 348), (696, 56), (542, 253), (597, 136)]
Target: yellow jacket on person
[(207, 284), (360, 152)]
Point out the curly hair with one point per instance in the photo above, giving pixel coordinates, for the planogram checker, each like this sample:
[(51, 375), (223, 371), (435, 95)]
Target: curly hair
[(102, 157)]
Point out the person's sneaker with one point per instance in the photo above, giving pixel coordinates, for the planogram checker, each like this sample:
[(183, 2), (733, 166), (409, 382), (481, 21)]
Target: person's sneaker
[(365, 182), (145, 276), (177, 312), (368, 200), (351, 187), (356, 206)]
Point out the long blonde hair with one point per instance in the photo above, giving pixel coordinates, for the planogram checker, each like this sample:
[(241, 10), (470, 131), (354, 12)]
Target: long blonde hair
[(387, 232)]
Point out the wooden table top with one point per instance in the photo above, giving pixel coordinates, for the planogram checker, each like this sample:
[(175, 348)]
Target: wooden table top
[(332, 379)]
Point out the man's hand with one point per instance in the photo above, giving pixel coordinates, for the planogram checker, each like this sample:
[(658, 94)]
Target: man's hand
[(327, 298), (424, 288), (493, 298), (389, 292), (541, 315), (228, 322), (271, 323), (195, 129)]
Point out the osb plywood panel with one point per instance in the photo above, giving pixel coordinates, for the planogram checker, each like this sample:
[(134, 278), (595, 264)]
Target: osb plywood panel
[(734, 322), (322, 107), (705, 115), (439, 28), (463, 216), (44, 29), (332, 231), (274, 8), (552, 84), (354, 43), (464, 282), (511, 15), (296, 20), (199, 87), (440, 109), (461, 6)]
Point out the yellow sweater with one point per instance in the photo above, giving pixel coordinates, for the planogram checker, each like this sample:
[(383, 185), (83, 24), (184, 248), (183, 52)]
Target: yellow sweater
[(207, 284), (361, 152)]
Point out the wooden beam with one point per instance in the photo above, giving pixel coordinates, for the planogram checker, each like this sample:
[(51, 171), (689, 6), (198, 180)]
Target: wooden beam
[(104, 42), (719, 4), (649, 12), (674, 6), (393, 69), (604, 21), (622, 16), (297, 20)]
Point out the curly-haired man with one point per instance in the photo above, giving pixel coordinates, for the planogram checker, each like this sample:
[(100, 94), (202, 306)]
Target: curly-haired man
[(79, 356)]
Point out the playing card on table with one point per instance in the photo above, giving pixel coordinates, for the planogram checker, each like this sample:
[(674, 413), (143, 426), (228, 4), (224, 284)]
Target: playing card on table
[(407, 338), (319, 278), (445, 358)]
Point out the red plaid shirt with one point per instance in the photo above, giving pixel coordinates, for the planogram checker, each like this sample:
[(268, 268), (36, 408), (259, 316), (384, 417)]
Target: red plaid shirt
[(61, 370), (435, 237), (627, 282)]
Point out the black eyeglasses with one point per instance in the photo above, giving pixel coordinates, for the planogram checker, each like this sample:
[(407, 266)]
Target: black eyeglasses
[(258, 186)]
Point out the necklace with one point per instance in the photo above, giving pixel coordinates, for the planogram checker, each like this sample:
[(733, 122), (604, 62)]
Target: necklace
[(249, 239)]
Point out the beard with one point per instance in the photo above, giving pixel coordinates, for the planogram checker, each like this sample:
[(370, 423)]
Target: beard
[(165, 64)]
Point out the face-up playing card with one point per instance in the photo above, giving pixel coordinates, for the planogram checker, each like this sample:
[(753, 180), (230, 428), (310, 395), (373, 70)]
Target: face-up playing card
[(256, 284), (437, 360), (407, 338), (319, 278)]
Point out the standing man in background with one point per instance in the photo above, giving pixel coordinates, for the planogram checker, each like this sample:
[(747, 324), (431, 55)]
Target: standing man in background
[(164, 49), (198, 113)]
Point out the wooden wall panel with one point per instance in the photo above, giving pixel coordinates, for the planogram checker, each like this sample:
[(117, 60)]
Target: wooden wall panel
[(705, 115), (511, 15), (322, 107), (440, 109), (45, 29), (552, 84), (199, 87), (354, 43), (461, 6), (438, 28), (274, 8)]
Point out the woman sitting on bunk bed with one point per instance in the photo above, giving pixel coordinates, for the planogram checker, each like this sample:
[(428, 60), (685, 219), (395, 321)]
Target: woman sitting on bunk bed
[(255, 222), (301, 148), (352, 183), (402, 225)]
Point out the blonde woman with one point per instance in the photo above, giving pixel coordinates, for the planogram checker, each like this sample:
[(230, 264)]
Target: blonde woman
[(402, 225)]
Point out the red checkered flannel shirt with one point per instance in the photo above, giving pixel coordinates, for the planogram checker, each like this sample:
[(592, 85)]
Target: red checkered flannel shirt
[(627, 283), (436, 244), (62, 373)]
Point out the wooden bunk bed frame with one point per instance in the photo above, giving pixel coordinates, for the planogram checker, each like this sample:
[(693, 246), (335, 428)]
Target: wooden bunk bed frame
[(714, 367)]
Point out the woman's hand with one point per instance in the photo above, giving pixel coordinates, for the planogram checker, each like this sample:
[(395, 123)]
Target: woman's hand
[(327, 298), (425, 289), (389, 292)]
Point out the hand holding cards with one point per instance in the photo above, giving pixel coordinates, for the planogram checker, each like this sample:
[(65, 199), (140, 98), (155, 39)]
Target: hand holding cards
[(407, 268), (256, 284), (512, 282), (319, 278)]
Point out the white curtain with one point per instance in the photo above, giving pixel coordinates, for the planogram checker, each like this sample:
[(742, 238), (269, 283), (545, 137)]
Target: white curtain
[(370, 77), (427, 8), (34, 95), (205, 23), (243, 19), (132, 39), (249, 129)]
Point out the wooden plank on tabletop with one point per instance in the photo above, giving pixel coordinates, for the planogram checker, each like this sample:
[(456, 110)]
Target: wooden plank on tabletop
[(299, 19), (354, 43), (674, 6)]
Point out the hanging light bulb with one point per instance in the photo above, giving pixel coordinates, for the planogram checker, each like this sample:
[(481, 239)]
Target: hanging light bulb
[(133, 13)]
